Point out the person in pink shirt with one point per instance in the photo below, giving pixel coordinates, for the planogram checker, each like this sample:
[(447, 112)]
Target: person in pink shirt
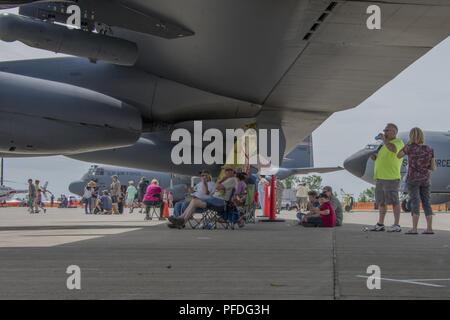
[(153, 198)]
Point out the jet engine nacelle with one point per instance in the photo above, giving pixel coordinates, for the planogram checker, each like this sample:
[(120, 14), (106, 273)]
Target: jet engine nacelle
[(50, 36), (5, 4), (44, 117)]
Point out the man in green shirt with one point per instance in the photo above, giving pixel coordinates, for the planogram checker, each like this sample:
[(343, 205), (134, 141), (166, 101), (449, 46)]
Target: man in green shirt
[(387, 176)]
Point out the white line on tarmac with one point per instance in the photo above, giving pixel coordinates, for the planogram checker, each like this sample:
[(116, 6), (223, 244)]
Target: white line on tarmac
[(410, 281), (428, 279)]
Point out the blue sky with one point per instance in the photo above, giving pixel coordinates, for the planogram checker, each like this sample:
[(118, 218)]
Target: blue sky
[(417, 97)]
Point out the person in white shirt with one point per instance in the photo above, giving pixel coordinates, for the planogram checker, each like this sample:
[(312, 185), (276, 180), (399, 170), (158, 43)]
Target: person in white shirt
[(302, 197), (261, 191), (202, 190), (223, 191)]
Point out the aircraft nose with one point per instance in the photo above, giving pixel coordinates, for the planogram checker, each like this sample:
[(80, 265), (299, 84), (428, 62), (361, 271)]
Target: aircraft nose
[(356, 164), (77, 187)]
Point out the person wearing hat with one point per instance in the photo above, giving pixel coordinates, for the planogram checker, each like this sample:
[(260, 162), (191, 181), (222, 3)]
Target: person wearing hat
[(115, 194), (224, 189), (131, 195), (94, 195)]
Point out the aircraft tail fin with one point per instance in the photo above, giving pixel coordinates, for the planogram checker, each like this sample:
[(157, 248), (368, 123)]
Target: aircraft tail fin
[(301, 156)]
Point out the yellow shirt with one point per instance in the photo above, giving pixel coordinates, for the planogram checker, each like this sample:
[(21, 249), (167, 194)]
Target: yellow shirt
[(387, 165)]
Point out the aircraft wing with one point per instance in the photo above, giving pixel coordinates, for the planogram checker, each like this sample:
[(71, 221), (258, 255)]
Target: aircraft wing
[(314, 170), (283, 173), (301, 60), (287, 64)]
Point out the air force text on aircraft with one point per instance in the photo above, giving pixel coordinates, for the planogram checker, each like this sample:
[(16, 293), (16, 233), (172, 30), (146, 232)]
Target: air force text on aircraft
[(444, 163)]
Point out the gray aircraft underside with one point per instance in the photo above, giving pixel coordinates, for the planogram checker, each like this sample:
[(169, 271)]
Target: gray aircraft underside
[(159, 65), (361, 165)]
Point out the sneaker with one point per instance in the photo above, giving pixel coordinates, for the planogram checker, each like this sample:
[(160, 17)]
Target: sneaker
[(378, 227), (179, 222), (394, 228)]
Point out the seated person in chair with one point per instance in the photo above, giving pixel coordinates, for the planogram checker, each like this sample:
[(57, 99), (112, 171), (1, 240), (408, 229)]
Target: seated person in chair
[(152, 198), (224, 190), (203, 189), (240, 195)]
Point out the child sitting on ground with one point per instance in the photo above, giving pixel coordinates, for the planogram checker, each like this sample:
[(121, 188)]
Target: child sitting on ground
[(313, 202), (324, 216)]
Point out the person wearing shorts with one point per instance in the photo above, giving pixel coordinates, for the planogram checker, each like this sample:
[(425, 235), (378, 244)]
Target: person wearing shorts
[(387, 176), (115, 194), (131, 195), (420, 164), (223, 191)]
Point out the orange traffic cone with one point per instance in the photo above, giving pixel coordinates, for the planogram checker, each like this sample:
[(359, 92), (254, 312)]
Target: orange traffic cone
[(166, 212), (266, 201)]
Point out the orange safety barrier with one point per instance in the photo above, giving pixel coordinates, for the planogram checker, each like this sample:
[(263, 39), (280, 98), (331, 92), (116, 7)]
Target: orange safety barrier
[(15, 204), (370, 206)]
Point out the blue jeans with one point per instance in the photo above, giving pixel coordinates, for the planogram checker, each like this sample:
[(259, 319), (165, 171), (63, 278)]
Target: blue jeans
[(420, 192), (214, 202), (179, 208), (88, 206)]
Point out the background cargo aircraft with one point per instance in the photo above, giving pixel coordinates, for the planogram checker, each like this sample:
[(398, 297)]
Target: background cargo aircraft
[(143, 68), (361, 165), (102, 175)]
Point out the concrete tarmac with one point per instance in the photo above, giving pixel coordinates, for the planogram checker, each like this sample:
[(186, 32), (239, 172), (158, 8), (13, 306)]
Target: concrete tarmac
[(125, 257)]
